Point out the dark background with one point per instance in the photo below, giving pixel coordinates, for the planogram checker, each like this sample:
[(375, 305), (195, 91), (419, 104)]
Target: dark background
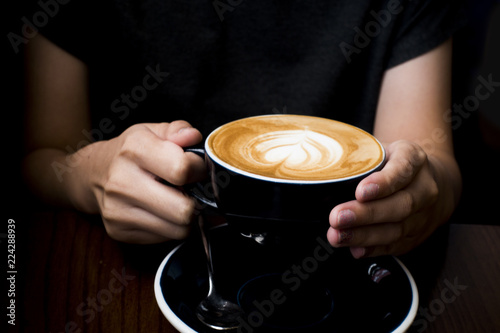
[(477, 139)]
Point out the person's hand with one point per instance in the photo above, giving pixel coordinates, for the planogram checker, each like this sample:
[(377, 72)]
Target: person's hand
[(135, 206), (394, 210)]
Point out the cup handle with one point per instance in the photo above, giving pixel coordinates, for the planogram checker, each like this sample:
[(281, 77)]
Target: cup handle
[(199, 190)]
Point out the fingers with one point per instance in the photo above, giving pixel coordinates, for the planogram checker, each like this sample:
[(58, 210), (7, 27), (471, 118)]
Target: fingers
[(167, 202), (394, 208), (179, 132), (404, 161), (372, 235), (146, 211), (151, 229), (380, 222), (379, 239), (134, 205), (390, 206), (148, 147)]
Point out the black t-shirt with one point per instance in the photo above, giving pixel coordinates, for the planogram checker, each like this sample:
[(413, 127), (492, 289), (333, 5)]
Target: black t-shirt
[(209, 62)]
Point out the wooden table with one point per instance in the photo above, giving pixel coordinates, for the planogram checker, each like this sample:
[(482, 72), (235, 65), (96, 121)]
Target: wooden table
[(71, 277)]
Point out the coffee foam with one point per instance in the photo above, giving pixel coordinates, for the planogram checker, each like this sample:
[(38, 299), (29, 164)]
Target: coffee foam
[(293, 153), (295, 147)]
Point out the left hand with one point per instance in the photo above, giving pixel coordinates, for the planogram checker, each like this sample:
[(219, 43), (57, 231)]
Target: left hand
[(394, 210)]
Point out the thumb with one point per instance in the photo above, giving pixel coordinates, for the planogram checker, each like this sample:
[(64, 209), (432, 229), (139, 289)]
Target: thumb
[(179, 132), (185, 137)]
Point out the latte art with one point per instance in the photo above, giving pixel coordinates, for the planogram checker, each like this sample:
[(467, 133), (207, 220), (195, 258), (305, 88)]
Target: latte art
[(293, 153), (294, 148)]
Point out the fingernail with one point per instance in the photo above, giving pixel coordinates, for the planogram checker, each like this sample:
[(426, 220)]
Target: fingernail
[(358, 252), (183, 129), (345, 236), (345, 218), (370, 191)]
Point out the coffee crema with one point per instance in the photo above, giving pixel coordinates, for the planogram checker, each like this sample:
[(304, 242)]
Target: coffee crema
[(295, 147)]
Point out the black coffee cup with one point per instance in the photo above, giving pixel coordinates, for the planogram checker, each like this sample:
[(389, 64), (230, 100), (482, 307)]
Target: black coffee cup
[(257, 204)]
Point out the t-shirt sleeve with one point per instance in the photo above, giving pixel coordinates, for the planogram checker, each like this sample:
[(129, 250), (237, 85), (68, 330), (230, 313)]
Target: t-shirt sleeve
[(73, 27), (422, 26)]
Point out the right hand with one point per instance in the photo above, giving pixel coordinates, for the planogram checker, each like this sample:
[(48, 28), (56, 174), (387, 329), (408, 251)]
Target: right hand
[(134, 205)]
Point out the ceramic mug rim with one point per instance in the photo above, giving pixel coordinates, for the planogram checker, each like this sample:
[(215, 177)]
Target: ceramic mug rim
[(239, 171)]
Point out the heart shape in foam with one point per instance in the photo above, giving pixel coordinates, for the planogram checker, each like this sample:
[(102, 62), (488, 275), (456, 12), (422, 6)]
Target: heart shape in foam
[(294, 151)]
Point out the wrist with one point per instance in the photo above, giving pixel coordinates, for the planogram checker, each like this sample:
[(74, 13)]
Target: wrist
[(449, 181), (82, 178)]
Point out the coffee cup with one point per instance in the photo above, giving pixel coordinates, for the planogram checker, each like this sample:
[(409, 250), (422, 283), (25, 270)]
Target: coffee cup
[(273, 171)]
